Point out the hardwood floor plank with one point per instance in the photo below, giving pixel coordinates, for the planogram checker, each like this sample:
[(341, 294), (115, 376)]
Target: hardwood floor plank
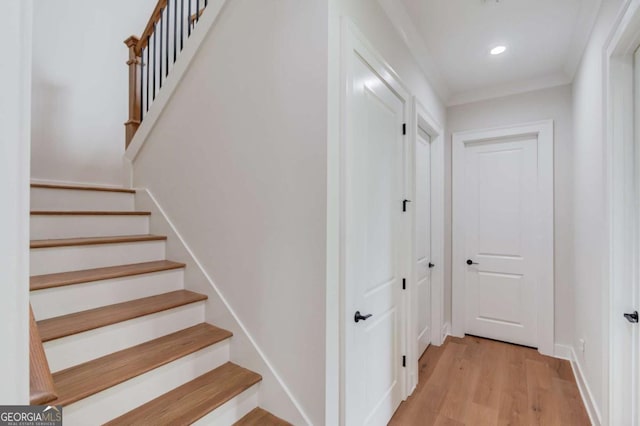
[(474, 382)]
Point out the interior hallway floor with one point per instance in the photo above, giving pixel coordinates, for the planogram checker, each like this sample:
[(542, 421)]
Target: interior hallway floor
[(474, 381)]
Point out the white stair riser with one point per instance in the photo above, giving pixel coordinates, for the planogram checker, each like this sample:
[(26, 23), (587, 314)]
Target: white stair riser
[(82, 347), (232, 410), (73, 199), (58, 301), (74, 258), (45, 227), (115, 401)]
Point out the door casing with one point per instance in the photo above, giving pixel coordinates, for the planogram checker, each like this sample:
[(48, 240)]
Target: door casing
[(354, 43), (623, 226), (421, 118), (543, 130)]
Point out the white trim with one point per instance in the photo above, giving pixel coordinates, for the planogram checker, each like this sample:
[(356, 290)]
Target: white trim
[(585, 392), (224, 301), (509, 89), (544, 248), (563, 352), (424, 120), (353, 40), (621, 210), (192, 45), (584, 26), (446, 331), (16, 23), (397, 14)]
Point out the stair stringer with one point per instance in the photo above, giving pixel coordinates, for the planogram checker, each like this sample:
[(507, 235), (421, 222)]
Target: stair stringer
[(274, 395)]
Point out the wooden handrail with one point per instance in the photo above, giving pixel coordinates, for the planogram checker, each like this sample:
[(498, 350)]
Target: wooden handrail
[(41, 387), (148, 30), (171, 28)]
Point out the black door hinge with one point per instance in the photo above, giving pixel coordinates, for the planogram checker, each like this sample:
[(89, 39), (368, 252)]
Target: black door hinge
[(404, 205), (404, 283), (404, 128), (404, 360)]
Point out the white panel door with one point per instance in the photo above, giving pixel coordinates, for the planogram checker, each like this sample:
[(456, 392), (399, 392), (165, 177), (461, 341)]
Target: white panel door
[(373, 205), (423, 240), (499, 228)]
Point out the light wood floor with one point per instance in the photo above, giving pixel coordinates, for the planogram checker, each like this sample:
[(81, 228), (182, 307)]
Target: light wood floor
[(478, 382)]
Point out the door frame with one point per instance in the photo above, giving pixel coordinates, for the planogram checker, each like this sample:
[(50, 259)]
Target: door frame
[(543, 130), (353, 41), (424, 120), (621, 180)]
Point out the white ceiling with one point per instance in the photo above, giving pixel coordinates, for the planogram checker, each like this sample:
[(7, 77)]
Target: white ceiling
[(544, 38)]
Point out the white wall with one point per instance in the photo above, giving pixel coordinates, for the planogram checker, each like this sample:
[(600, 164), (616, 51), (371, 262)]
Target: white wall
[(555, 104), (370, 19), (80, 87), (15, 86), (238, 162), (590, 200)]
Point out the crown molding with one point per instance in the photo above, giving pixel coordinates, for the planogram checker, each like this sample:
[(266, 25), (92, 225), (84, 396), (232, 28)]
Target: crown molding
[(397, 13), (555, 79), (581, 34)]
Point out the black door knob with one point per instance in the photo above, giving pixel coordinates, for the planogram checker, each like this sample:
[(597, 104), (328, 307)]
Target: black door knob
[(633, 317), (359, 317), (431, 265), (471, 262)]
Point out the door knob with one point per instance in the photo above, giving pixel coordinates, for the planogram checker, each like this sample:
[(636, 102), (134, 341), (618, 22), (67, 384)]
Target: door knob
[(633, 317), (431, 265), (359, 317), (471, 262)]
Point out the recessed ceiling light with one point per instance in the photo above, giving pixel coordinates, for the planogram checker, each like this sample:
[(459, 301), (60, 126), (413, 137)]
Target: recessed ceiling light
[(498, 50)]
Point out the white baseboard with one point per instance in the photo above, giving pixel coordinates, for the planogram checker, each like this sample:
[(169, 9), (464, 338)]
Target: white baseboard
[(583, 386), (563, 352), (446, 331)]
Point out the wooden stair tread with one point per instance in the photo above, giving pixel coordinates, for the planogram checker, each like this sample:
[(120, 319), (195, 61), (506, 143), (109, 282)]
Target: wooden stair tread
[(66, 242), (193, 400), (78, 322), (40, 282), (83, 187), (87, 213), (260, 417), (89, 378)]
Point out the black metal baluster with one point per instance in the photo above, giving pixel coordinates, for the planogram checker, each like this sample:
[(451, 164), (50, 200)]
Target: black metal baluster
[(166, 50), (141, 84), (197, 11), (189, 18), (155, 58), (175, 30), (148, 67), (160, 52), (181, 23)]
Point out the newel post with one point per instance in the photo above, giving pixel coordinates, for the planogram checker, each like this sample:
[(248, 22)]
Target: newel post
[(134, 63)]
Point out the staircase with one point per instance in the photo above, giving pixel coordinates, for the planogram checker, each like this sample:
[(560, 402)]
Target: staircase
[(126, 342)]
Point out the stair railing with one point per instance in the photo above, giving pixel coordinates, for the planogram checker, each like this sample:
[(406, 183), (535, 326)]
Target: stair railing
[(41, 387), (153, 54)]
